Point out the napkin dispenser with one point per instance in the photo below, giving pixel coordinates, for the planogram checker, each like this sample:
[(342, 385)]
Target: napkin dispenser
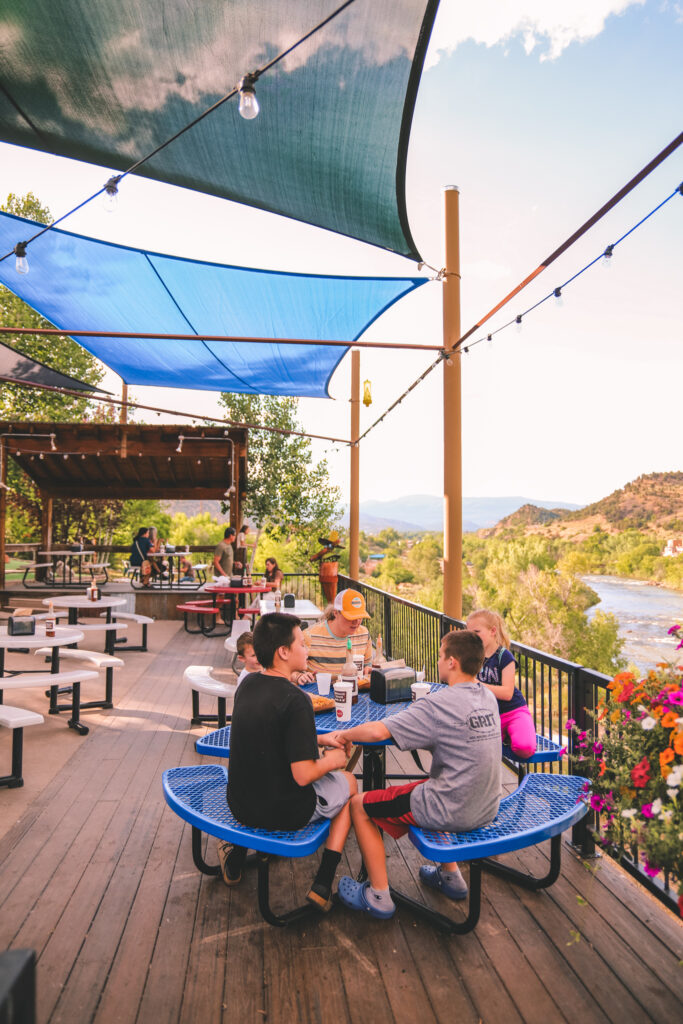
[(389, 685), (21, 625)]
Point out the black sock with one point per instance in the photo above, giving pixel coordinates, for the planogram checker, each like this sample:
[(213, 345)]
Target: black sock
[(328, 866), (235, 861)]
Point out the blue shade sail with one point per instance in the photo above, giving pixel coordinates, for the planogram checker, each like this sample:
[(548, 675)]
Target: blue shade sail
[(109, 82), (82, 284)]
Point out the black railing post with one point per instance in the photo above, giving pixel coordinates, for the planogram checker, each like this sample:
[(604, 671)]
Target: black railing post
[(387, 624), (581, 702)]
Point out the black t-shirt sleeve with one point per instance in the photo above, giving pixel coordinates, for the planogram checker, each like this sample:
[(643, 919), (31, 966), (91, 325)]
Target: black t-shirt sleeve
[(300, 742)]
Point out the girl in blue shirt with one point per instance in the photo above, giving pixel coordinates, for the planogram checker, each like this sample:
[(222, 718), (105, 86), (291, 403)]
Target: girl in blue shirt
[(498, 673)]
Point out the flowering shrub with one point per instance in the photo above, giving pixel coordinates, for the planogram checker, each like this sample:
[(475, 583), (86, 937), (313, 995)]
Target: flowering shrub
[(634, 767)]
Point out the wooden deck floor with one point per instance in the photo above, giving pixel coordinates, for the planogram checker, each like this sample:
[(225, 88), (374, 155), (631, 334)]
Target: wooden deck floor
[(97, 877)]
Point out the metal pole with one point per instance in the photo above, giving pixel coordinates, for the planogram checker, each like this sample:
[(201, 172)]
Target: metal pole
[(452, 406), (3, 510), (354, 496)]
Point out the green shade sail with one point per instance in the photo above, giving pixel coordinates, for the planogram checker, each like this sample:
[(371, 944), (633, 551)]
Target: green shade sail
[(108, 82)]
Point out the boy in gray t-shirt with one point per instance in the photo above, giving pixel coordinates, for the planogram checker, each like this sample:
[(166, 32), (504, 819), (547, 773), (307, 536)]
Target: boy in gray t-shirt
[(461, 727)]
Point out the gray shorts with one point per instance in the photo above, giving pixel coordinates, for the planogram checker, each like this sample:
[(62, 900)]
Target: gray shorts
[(332, 792)]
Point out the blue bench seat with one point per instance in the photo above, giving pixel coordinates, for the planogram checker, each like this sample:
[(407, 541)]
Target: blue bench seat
[(542, 807), (546, 752), (197, 794)]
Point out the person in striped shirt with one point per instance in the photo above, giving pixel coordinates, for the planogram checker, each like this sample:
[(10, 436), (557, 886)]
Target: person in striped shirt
[(326, 641)]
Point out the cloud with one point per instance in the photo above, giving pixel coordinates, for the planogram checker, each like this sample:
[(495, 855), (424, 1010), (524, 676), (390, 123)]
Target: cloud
[(544, 26)]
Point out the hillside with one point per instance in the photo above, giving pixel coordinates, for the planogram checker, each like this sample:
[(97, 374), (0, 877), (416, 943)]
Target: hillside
[(651, 503)]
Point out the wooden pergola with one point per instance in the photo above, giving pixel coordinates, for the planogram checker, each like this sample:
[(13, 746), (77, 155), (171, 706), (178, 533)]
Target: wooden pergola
[(123, 461)]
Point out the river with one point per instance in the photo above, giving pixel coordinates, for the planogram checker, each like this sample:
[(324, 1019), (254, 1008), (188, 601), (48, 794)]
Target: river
[(644, 613)]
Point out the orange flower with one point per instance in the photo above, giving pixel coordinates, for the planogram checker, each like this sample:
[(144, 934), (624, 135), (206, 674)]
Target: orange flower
[(678, 743), (669, 719), (666, 757), (615, 716), (666, 771), (603, 767)]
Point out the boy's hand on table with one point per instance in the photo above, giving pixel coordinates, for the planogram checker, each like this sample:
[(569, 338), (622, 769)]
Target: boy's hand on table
[(335, 758), (336, 739)]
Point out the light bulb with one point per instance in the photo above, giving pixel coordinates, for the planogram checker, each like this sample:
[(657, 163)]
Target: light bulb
[(21, 265), (489, 340), (557, 292), (180, 443), (110, 196), (608, 253), (518, 323), (249, 105)]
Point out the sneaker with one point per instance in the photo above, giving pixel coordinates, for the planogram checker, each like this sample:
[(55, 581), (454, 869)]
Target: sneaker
[(356, 896), (320, 896), (224, 850), (455, 888)]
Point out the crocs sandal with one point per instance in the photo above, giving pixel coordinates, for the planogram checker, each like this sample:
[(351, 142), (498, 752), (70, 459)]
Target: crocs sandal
[(354, 895), (455, 889)]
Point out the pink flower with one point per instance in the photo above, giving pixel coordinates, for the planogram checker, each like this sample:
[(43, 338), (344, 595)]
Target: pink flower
[(596, 802), (646, 810), (674, 629), (570, 723), (650, 869), (597, 749)]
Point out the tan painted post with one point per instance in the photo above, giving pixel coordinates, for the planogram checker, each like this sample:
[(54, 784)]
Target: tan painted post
[(354, 495), (124, 407), (452, 413)]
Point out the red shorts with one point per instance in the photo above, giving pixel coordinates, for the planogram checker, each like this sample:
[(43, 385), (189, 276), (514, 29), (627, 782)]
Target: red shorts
[(389, 808)]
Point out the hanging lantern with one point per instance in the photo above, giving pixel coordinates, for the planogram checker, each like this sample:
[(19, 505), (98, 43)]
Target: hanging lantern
[(367, 397)]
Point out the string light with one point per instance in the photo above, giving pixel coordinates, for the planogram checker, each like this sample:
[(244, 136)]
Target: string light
[(557, 292), (53, 446), (607, 254), (180, 443), (518, 323), (249, 105), (110, 196), (21, 265)]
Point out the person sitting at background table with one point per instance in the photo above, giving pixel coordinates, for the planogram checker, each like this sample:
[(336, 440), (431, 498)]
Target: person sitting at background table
[(187, 573), (241, 545), (327, 640), (273, 574), (224, 554), (139, 556)]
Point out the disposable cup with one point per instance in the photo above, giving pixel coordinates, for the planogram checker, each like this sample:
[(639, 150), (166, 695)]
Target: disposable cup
[(419, 690), (343, 696), (324, 681)]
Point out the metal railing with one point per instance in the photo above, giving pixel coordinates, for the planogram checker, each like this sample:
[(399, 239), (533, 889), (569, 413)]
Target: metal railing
[(554, 689)]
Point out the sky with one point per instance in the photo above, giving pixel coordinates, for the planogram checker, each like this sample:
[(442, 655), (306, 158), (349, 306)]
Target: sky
[(539, 111)]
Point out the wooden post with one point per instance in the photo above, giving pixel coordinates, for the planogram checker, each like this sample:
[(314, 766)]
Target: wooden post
[(124, 408), (45, 527), (3, 510), (452, 418), (354, 495)]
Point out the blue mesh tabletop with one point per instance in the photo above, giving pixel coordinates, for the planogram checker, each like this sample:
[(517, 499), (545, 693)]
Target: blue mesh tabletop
[(543, 806), (197, 794), (217, 743), (546, 750)]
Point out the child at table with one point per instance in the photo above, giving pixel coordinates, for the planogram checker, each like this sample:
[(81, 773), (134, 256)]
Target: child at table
[(278, 778), (498, 673), (245, 651), (459, 724)]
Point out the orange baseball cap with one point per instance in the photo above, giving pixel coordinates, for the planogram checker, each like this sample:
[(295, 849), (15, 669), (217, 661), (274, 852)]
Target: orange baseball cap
[(351, 604)]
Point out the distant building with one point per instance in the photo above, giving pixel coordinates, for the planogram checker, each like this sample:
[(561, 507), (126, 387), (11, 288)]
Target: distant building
[(674, 546)]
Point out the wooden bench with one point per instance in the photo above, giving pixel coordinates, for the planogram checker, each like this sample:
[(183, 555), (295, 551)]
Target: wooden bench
[(197, 795), (200, 680), (547, 751), (141, 620), (17, 719), (202, 609), (108, 662), (53, 681)]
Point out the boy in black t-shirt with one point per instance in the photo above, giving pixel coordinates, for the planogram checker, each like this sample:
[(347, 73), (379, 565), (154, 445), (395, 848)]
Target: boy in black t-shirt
[(277, 778)]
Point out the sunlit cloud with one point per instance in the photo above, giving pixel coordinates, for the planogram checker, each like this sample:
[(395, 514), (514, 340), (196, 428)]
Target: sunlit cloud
[(546, 27)]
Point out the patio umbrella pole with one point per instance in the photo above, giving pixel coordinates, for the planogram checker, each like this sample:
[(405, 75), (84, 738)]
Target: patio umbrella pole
[(452, 418), (354, 497)]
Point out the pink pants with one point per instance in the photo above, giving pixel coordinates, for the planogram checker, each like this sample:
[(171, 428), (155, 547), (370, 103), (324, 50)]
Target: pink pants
[(518, 731)]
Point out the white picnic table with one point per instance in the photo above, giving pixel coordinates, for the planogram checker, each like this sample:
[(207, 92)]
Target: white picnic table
[(303, 609)]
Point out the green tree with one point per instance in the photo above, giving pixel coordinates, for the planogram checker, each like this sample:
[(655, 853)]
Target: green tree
[(58, 352), (288, 495)]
